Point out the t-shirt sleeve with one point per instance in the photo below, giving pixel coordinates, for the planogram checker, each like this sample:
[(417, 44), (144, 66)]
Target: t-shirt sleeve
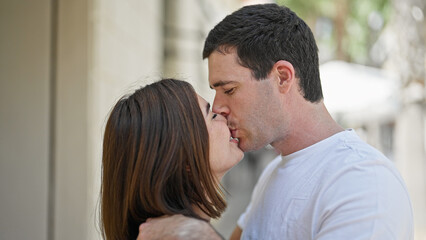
[(364, 201), (242, 219)]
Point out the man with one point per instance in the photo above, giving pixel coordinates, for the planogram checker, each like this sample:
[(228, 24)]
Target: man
[(327, 183)]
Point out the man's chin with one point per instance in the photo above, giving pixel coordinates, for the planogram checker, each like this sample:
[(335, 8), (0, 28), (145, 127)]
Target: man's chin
[(245, 147)]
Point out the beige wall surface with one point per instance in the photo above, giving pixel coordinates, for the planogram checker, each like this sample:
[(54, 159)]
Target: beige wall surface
[(71, 96), (24, 118), (63, 64), (105, 50), (126, 42)]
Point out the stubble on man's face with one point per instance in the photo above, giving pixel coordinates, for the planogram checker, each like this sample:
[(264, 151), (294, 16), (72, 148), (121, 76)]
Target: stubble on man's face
[(248, 110), (255, 115)]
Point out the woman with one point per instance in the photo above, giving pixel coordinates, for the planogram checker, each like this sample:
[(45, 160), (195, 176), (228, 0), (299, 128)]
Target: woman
[(164, 153)]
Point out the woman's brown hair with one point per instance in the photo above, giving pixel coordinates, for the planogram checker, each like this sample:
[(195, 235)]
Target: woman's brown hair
[(156, 160)]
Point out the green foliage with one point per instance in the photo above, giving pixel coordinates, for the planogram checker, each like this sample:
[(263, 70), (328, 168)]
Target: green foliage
[(306, 8), (363, 21)]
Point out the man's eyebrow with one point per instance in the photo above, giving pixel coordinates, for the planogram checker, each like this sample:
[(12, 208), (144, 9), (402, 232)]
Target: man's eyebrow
[(221, 83), (207, 109)]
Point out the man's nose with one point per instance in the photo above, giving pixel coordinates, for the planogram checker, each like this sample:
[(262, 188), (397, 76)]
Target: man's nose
[(220, 108)]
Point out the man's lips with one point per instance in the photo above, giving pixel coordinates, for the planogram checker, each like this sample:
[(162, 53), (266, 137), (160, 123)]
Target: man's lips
[(233, 133)]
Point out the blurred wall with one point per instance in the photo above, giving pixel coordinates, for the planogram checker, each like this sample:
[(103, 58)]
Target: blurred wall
[(70, 115), (186, 25), (24, 118), (126, 46), (63, 65)]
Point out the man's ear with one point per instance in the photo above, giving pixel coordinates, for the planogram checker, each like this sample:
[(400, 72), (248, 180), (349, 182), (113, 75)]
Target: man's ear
[(286, 75)]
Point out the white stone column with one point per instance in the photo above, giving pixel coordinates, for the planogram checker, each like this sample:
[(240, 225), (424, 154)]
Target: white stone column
[(410, 156)]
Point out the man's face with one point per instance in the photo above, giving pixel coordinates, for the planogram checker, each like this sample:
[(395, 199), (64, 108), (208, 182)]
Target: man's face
[(249, 105)]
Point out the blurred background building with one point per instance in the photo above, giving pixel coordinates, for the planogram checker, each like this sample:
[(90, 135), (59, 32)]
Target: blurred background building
[(63, 64)]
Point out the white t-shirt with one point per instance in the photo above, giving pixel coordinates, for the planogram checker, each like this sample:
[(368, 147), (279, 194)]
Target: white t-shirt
[(339, 188)]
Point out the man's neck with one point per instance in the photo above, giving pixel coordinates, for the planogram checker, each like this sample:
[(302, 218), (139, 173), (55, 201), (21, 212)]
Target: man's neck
[(310, 126)]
